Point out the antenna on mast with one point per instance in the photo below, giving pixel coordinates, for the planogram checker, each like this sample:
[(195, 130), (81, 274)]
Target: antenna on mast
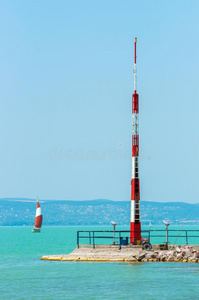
[(135, 70)]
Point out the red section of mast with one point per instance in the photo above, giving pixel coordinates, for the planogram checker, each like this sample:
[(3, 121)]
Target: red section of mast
[(135, 50)]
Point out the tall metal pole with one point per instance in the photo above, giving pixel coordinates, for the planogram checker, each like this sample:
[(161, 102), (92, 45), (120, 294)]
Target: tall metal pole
[(113, 234), (114, 225), (135, 227), (167, 233)]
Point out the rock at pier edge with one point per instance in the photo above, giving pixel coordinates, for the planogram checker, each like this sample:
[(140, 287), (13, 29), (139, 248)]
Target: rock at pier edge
[(111, 253)]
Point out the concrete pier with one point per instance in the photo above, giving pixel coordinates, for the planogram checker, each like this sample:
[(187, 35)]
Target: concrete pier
[(130, 253)]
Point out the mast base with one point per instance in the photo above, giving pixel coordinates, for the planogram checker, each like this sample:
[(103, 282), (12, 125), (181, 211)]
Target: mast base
[(135, 236)]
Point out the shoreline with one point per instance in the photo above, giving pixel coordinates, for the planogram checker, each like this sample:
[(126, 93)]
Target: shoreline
[(130, 253)]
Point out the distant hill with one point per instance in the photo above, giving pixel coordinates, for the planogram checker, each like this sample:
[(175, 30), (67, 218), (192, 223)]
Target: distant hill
[(21, 211)]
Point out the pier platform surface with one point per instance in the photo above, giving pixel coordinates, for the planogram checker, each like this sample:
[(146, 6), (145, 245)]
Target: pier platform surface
[(129, 253)]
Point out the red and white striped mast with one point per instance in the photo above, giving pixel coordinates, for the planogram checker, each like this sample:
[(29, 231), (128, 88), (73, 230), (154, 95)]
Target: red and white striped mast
[(135, 227)]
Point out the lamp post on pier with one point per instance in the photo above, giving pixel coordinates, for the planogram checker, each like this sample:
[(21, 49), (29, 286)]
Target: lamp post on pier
[(166, 228), (114, 225)]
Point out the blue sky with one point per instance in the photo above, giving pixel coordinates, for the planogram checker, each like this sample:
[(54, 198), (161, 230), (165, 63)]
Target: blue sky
[(66, 83)]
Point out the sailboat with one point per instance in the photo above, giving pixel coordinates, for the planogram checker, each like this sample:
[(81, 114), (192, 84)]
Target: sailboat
[(38, 218), (150, 225)]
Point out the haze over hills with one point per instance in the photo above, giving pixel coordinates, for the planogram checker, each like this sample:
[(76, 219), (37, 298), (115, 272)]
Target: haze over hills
[(21, 211)]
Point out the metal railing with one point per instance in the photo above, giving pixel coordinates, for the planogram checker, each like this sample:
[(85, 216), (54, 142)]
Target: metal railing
[(185, 236), (122, 237)]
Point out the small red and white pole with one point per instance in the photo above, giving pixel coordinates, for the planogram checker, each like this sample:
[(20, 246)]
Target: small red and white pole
[(135, 227)]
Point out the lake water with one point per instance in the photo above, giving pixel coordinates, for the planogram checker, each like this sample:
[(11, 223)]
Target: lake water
[(24, 276)]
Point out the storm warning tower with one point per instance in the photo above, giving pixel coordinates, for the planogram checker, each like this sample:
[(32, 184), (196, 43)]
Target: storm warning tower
[(135, 227)]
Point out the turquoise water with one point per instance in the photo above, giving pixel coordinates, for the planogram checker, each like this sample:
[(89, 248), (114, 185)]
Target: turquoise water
[(24, 276)]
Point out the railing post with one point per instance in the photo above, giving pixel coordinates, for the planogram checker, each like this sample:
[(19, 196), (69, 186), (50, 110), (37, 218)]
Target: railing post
[(120, 240), (149, 236), (78, 239), (186, 238), (93, 240), (167, 237), (89, 238)]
